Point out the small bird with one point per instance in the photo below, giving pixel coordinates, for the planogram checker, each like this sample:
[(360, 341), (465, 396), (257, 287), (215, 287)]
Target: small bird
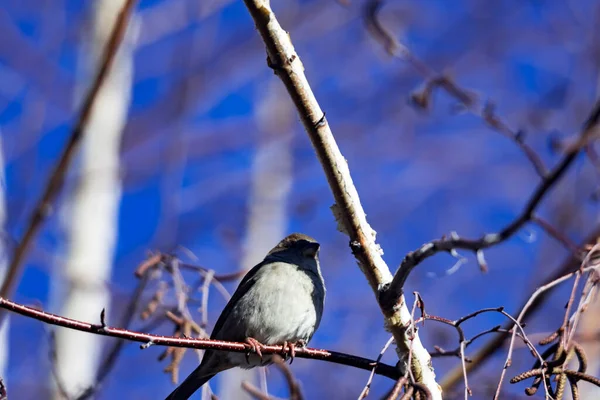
[(279, 302)]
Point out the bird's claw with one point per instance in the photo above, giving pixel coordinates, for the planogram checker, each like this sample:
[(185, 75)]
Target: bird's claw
[(289, 349), (253, 346)]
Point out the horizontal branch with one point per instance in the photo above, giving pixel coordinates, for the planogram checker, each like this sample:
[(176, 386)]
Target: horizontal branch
[(192, 343)]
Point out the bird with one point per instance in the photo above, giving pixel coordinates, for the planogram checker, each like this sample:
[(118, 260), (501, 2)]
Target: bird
[(279, 301)]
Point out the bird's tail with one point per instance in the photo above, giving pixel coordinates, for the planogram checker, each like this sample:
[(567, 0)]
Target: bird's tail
[(212, 363), (192, 383)]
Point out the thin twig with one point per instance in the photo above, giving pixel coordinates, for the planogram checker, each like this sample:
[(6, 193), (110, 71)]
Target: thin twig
[(463, 342), (523, 312), (365, 392), (435, 80), (112, 356), (205, 292), (148, 340), (395, 392), (231, 276), (571, 264), (293, 386), (254, 391), (558, 236), (453, 242)]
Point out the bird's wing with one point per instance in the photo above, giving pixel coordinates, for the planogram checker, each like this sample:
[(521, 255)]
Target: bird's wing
[(241, 290), (213, 361)]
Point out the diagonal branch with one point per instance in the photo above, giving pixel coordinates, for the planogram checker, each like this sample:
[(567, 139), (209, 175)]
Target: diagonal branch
[(44, 206), (191, 343), (435, 80), (282, 58), (491, 239)]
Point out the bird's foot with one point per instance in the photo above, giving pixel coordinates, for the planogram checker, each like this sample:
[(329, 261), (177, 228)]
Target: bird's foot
[(253, 346), (289, 349)]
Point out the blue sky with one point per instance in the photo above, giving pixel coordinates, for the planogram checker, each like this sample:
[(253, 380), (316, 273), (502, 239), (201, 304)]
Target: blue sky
[(191, 135)]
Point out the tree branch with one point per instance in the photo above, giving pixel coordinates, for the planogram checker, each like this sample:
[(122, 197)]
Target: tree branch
[(282, 58), (191, 343), (435, 80), (491, 239), (490, 348)]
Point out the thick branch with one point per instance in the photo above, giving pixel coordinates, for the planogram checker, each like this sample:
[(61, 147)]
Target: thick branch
[(44, 206), (348, 211), (149, 339)]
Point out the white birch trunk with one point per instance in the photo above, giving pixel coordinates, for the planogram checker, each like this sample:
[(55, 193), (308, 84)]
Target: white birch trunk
[(91, 221), (267, 215)]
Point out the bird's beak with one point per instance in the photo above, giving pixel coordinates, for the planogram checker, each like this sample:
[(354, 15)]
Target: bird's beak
[(311, 250)]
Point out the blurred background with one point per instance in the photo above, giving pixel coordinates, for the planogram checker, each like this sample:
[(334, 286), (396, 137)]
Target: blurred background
[(195, 148)]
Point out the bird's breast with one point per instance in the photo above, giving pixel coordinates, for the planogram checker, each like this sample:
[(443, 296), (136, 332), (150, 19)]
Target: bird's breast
[(285, 305)]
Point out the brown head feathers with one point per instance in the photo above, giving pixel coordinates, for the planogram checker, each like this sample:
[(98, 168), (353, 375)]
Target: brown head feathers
[(295, 239)]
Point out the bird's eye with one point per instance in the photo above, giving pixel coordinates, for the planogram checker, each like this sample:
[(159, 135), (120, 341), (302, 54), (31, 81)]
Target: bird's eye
[(311, 250)]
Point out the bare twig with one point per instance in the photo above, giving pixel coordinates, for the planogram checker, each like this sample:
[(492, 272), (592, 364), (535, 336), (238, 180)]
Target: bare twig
[(487, 114), (452, 242), (44, 206), (205, 291), (148, 339), (463, 342), (393, 47), (255, 392), (227, 277), (367, 388), (558, 236), (395, 392), (293, 385), (112, 355), (216, 282), (523, 312), (485, 111), (440, 352), (282, 58), (529, 307), (184, 328)]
